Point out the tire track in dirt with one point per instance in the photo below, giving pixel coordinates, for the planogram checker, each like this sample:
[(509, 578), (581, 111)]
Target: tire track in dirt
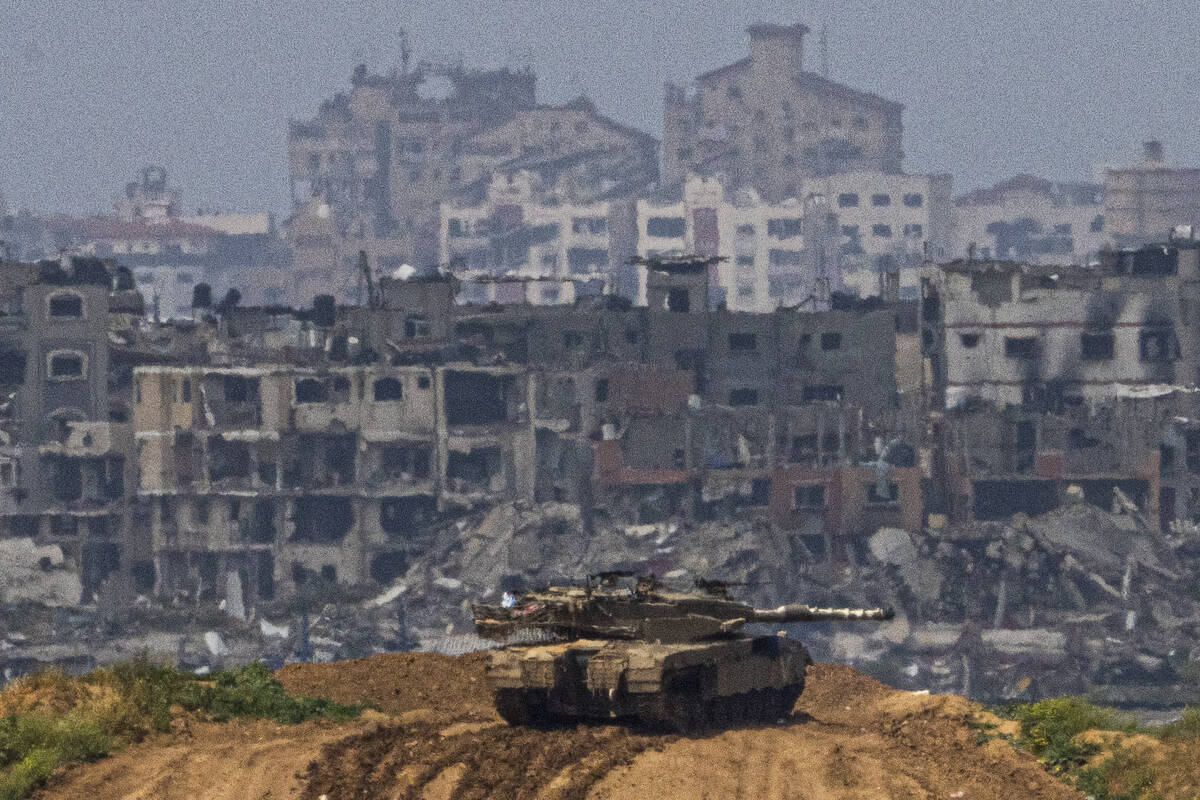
[(497, 761)]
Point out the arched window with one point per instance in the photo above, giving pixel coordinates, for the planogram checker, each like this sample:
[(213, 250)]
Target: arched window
[(66, 365), (65, 304)]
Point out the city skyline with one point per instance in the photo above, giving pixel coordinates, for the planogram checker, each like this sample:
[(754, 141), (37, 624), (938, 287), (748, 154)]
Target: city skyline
[(986, 95)]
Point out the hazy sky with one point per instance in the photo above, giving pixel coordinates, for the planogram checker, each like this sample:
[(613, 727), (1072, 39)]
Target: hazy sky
[(91, 91)]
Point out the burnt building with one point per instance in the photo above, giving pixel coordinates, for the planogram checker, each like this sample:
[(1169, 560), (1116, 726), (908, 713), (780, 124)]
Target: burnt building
[(1041, 377)]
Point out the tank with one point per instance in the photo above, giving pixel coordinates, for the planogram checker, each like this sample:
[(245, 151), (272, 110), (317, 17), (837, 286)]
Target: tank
[(624, 648)]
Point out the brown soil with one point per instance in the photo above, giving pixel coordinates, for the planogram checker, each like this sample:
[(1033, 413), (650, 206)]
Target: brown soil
[(851, 737), (398, 682), (231, 761)]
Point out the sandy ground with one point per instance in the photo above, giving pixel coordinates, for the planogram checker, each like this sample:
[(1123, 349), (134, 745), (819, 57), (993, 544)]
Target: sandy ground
[(435, 737)]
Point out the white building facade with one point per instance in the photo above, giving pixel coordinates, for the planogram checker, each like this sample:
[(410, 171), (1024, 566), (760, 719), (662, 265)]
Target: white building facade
[(775, 254), (887, 225), (550, 249)]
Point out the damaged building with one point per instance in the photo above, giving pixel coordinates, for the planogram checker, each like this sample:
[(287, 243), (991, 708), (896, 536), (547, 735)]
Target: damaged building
[(1043, 377), (371, 169), (334, 455), (65, 429)]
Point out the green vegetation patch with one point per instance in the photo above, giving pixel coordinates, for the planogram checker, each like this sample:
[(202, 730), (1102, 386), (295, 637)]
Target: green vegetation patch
[(50, 719), (251, 691), (1133, 764), (1050, 729)]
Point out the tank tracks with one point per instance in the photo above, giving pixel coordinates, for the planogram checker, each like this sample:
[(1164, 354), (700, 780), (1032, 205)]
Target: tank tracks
[(672, 710)]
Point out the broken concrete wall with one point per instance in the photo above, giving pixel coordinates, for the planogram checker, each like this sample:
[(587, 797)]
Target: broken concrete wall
[(1018, 334), (38, 574)]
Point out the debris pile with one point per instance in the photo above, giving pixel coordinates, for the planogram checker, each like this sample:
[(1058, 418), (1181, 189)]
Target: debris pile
[(1079, 599)]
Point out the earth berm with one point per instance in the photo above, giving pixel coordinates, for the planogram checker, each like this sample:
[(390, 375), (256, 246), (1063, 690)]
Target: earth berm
[(436, 737)]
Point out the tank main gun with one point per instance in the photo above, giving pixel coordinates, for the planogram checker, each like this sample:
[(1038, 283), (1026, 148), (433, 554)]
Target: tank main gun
[(798, 612)]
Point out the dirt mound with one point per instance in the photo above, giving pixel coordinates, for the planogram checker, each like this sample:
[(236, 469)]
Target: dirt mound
[(851, 737), (397, 682), (229, 761)]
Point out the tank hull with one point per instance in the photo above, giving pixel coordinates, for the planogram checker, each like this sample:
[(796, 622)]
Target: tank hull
[(684, 686)]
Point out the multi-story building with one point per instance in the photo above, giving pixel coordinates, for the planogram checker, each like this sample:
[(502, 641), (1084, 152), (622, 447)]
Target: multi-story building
[(65, 480), (371, 169), (274, 465), (766, 122), (889, 224), (1046, 377), (1145, 202), (561, 249), (1031, 219), (770, 254), (170, 252)]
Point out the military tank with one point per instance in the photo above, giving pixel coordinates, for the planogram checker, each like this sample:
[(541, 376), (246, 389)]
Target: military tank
[(626, 647)]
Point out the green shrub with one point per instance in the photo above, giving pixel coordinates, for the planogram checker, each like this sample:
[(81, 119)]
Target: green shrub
[(124, 702), (1049, 728), (151, 688), (25, 776), (251, 691), (33, 745), (1123, 776), (1186, 727)]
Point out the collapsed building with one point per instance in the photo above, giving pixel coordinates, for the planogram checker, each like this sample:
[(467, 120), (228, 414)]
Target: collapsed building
[(261, 457), (332, 454)]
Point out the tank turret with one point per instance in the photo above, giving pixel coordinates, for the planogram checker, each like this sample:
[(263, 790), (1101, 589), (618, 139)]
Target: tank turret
[(622, 647)]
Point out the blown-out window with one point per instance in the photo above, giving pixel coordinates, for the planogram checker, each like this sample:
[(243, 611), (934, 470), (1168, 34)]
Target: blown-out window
[(66, 365), (388, 389), (808, 497), (65, 304)]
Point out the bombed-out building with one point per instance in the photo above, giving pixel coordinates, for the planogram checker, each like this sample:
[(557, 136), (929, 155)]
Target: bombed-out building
[(334, 455), (65, 431), (1042, 378), (370, 170)]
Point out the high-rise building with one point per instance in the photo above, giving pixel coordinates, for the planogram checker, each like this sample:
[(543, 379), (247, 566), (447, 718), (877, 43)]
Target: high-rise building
[(370, 171), (1146, 201), (766, 122)]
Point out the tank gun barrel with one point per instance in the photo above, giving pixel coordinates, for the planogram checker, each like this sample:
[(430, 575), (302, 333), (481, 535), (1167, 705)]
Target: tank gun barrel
[(798, 612)]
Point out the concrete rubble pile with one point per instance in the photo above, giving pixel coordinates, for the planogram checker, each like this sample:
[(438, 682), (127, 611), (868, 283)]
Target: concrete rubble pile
[(1075, 600), (520, 545)]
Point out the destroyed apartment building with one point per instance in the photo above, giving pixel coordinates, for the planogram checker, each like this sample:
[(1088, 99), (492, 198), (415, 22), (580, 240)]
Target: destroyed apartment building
[(268, 445), (371, 170), (67, 477), (1046, 377), (333, 455)]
